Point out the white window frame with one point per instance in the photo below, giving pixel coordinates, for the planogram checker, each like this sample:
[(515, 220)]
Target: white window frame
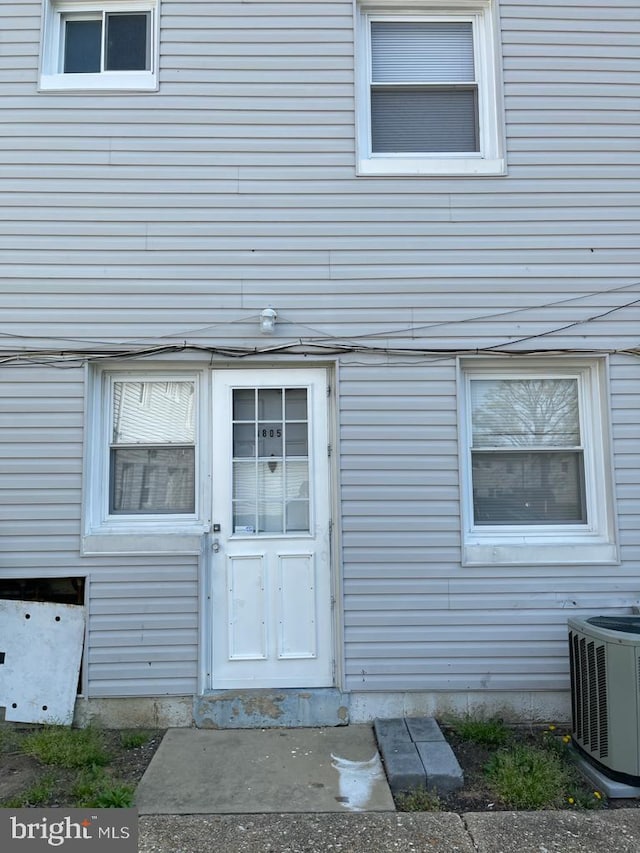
[(139, 533), (483, 16), (52, 77), (589, 543)]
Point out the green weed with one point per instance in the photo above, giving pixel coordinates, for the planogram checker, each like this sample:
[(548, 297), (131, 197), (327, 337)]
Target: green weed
[(528, 777), (418, 800), (134, 739), (67, 747), (487, 731), (95, 789)]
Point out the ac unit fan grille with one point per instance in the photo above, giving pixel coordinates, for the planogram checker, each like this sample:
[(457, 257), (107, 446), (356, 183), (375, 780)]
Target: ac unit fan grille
[(590, 713)]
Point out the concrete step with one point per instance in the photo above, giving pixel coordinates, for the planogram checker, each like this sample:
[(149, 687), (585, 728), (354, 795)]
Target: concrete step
[(415, 754), (264, 709)]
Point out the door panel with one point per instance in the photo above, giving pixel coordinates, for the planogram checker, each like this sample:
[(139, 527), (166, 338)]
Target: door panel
[(271, 583)]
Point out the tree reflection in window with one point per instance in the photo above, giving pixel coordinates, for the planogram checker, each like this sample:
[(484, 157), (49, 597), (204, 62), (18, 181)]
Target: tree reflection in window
[(527, 454)]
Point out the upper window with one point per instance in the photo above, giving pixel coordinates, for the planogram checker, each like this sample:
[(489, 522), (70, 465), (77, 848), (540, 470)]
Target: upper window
[(427, 89), (536, 481), (99, 45)]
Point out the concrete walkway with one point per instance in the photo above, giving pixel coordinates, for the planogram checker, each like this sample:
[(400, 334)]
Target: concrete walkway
[(324, 791), (370, 832), (259, 771)]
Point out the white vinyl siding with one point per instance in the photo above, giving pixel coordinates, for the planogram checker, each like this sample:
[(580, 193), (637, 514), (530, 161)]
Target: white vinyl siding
[(143, 610), (160, 217), (415, 618)]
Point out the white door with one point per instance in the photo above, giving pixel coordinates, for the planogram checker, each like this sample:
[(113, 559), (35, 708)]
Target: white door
[(270, 562)]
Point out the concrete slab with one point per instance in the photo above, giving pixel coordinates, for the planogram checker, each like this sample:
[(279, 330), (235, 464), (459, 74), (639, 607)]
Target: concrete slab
[(320, 833), (555, 831), (236, 771)]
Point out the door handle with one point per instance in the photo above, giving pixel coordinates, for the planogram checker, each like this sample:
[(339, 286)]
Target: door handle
[(215, 546)]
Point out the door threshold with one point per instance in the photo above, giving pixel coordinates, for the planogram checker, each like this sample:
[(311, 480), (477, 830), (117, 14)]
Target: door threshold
[(271, 708)]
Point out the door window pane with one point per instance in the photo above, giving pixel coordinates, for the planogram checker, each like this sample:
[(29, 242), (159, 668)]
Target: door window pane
[(244, 440), (244, 404), (82, 46), (270, 438), (296, 440), (271, 429), (270, 404), (296, 404), (297, 495)]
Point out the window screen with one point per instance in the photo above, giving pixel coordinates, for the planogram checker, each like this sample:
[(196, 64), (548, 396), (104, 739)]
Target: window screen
[(119, 43)]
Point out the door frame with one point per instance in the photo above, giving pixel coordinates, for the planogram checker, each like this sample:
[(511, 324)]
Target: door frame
[(206, 683)]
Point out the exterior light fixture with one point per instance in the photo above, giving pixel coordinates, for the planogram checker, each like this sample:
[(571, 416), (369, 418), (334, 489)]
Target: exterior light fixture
[(268, 321)]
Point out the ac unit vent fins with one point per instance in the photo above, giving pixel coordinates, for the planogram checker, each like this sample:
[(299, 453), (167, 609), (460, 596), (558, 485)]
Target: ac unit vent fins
[(589, 708)]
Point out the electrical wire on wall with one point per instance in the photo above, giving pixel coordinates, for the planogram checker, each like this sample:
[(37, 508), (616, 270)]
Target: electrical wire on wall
[(76, 351)]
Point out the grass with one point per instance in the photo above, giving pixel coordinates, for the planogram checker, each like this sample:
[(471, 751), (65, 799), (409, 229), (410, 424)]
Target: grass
[(528, 769), (418, 800), (488, 731), (134, 738), (94, 788), (67, 747), (528, 777), (78, 767)]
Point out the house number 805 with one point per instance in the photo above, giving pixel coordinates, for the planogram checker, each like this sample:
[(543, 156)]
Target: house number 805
[(271, 433)]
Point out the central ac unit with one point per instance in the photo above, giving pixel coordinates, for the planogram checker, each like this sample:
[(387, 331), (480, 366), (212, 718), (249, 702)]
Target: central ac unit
[(604, 656)]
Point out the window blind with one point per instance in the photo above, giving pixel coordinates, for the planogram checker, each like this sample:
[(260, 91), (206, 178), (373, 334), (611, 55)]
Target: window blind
[(424, 121), (422, 52)]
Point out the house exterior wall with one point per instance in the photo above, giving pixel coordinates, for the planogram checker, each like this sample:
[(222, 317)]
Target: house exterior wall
[(135, 220)]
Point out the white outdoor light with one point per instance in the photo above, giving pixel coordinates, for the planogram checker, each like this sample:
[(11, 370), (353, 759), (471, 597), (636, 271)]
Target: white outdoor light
[(268, 321)]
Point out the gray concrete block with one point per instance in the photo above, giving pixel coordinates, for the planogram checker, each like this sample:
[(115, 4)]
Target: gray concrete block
[(405, 771), (392, 732), (444, 774), (424, 729)]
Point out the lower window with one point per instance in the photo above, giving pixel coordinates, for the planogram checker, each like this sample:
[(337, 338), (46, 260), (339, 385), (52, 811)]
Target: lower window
[(535, 481)]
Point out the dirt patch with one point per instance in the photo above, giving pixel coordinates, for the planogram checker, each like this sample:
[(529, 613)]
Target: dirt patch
[(17, 773), (477, 794), (21, 775)]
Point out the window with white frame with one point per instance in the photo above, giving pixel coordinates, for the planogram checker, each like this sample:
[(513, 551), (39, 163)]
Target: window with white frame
[(536, 482), (142, 458), (428, 99), (99, 44)]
